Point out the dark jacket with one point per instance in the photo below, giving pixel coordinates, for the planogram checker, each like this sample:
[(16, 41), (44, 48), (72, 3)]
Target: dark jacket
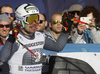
[(4, 69)]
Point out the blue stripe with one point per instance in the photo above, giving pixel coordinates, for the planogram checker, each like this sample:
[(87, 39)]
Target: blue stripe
[(78, 48)]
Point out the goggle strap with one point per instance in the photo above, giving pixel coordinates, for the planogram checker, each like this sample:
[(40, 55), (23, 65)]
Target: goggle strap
[(23, 23)]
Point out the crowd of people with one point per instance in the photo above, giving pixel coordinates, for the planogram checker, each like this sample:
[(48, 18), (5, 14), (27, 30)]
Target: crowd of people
[(23, 52)]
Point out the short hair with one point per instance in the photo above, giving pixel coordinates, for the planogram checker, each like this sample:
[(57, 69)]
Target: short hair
[(88, 9), (57, 13), (44, 16), (6, 5)]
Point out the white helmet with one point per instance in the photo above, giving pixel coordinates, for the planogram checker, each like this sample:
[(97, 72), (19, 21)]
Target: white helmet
[(24, 11)]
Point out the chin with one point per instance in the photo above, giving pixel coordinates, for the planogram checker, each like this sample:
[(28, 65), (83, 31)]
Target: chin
[(58, 32), (75, 22), (4, 36)]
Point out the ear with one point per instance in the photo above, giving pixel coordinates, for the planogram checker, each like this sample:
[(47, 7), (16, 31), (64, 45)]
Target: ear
[(49, 24), (46, 23)]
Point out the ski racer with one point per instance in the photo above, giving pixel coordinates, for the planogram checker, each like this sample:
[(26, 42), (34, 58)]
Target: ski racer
[(24, 53)]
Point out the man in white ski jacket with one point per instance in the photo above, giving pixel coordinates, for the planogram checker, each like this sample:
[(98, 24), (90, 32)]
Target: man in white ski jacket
[(24, 54)]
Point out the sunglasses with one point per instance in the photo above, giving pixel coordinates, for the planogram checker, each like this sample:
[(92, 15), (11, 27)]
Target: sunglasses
[(2, 26), (32, 18), (11, 14), (41, 21), (56, 21), (78, 12)]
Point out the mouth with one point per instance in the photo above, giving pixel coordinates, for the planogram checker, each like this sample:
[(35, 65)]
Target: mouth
[(58, 27), (5, 32)]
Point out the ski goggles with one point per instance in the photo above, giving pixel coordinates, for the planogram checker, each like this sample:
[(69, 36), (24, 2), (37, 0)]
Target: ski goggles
[(11, 14), (56, 21), (32, 18)]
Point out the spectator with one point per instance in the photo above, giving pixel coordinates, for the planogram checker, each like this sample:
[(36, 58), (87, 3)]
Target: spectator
[(88, 35), (43, 23), (8, 10), (74, 10), (22, 60), (55, 26), (4, 31)]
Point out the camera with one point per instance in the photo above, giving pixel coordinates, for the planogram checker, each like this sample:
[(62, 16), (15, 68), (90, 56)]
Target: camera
[(86, 20)]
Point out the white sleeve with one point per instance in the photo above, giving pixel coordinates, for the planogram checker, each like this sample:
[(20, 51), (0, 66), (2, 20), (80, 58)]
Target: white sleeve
[(76, 38), (95, 34)]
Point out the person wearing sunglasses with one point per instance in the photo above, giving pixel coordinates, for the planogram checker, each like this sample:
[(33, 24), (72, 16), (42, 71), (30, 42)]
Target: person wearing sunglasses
[(85, 33), (4, 27), (55, 26), (74, 10), (4, 31), (42, 23), (8, 10), (24, 53)]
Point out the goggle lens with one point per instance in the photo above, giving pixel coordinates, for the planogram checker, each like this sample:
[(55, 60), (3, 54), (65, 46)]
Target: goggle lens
[(56, 21), (32, 18)]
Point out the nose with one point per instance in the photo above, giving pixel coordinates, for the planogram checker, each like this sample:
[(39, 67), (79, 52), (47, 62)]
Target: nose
[(4, 27), (34, 23), (9, 15), (76, 15), (58, 23)]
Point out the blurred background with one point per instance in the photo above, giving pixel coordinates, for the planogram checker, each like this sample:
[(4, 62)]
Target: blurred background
[(48, 7)]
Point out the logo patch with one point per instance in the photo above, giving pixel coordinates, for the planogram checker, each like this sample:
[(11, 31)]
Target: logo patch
[(20, 68)]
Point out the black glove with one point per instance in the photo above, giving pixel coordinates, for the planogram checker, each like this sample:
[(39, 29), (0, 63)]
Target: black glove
[(66, 20), (13, 34)]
